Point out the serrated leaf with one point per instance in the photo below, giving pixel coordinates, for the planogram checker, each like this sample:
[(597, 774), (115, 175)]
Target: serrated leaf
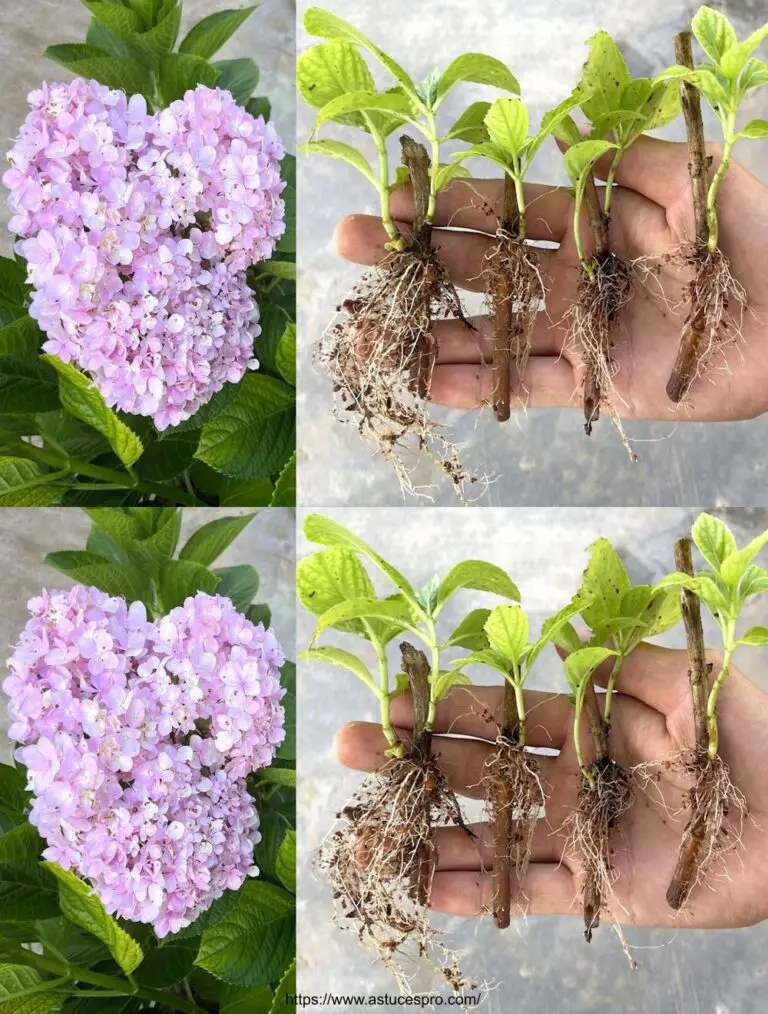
[(580, 158), (180, 579), (340, 150), (754, 129), (236, 493), (89, 62), (82, 399), (478, 575), (90, 569), (23, 991), (254, 436), (736, 563), (603, 585), (383, 102), (168, 965), (446, 681), (480, 69), (447, 173), (734, 59), (713, 32), (470, 633), (210, 34), (122, 22), (470, 126), (210, 540), (252, 944), (21, 338), (342, 660), (81, 906), (507, 123), (713, 539), (507, 630), (239, 584), (330, 69), (23, 484), (285, 866), (363, 608), (703, 80), (557, 630), (180, 72), (27, 891), (284, 494), (239, 77), (755, 635), (701, 585), (604, 78), (27, 384), (329, 577), (580, 665), (166, 458), (21, 843)]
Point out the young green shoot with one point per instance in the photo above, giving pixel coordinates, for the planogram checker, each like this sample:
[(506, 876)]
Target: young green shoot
[(723, 80)]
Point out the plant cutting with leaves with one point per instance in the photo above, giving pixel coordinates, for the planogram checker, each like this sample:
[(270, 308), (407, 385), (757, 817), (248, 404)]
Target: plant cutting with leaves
[(716, 299), (147, 348), (619, 109), (512, 276), (381, 354), (514, 795), (380, 858), (148, 820), (716, 806), (619, 615)]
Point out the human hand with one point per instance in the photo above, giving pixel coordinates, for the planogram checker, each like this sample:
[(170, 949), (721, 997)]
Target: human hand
[(651, 721), (652, 216)]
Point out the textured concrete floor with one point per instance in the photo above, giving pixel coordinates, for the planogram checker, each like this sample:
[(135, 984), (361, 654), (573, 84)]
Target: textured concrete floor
[(543, 962), (29, 26), (26, 535), (544, 458)]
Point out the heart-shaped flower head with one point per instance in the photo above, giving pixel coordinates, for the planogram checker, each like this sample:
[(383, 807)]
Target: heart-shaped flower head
[(138, 230), (138, 736)]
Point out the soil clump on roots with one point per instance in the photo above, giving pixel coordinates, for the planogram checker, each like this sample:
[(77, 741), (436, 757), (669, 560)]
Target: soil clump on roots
[(381, 859), (381, 353)]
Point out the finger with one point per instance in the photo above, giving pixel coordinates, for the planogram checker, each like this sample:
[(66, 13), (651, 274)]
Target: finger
[(362, 746), (658, 677), (456, 850), (457, 344), (475, 711), (362, 239), (654, 168), (549, 382), (546, 889), (477, 204)]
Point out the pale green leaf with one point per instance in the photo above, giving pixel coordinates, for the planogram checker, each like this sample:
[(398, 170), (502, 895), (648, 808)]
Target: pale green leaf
[(23, 484), (480, 69), (342, 660), (507, 123), (478, 575), (713, 32), (713, 539), (507, 630), (340, 150)]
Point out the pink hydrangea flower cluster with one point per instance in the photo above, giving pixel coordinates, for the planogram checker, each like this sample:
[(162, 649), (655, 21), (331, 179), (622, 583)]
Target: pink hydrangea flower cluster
[(137, 737), (138, 232)]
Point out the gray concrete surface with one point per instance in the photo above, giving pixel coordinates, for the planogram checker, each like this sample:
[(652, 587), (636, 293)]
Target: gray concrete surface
[(29, 26), (26, 535), (545, 457), (543, 962)]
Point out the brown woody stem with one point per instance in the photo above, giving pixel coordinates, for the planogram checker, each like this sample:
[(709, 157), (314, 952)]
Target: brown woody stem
[(502, 825), (502, 342), (698, 670), (598, 224), (687, 359), (416, 668), (416, 160)]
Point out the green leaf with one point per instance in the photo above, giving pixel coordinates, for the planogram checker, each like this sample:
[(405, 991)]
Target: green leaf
[(286, 862), (331, 69), (735, 565), (480, 576), (447, 173), (21, 843), (580, 665), (27, 384), (735, 58), (254, 436), (753, 75), (364, 608), (27, 891), (329, 533), (604, 584), (287, 750), (753, 582), (470, 633), (239, 77), (580, 158), (480, 69), (23, 484), (286, 354), (236, 493), (23, 991), (210, 34), (367, 101), (239, 584), (180, 72), (168, 965), (260, 106), (507, 123), (224, 904), (210, 540), (285, 989), (100, 37), (90, 569), (180, 579), (22, 337), (82, 399), (446, 681), (337, 149), (259, 1000), (254, 943), (342, 660), (89, 62), (13, 281), (507, 630), (702, 79), (14, 796), (123, 23), (81, 906), (166, 458), (701, 585), (329, 577), (755, 129), (285, 488), (604, 78), (755, 635), (329, 26), (552, 630), (470, 126), (161, 38), (713, 539), (221, 400), (713, 32)]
